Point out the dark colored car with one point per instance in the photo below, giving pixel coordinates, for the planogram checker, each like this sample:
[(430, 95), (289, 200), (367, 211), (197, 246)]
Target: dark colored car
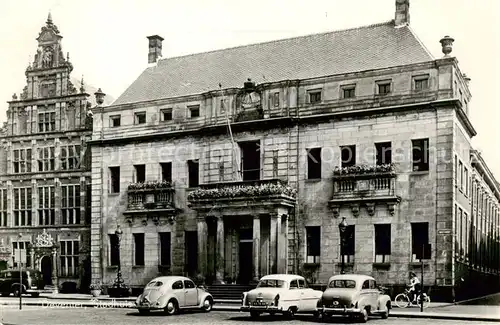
[(10, 283)]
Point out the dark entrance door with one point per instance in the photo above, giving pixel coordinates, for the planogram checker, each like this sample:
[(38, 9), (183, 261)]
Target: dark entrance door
[(191, 247), (250, 160), (245, 254), (46, 268)]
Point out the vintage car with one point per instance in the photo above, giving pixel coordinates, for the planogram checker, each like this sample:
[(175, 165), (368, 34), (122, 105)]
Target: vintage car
[(10, 282), (281, 293), (171, 294), (353, 295)]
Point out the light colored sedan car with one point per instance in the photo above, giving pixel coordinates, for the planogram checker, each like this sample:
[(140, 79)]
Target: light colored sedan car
[(355, 295), (171, 294), (281, 293)]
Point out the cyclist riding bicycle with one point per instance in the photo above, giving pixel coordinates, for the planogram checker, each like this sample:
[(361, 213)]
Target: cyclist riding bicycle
[(414, 287)]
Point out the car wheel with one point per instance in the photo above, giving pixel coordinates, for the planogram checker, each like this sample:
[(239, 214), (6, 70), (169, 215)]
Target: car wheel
[(143, 311), (35, 294), (385, 312), (290, 313), (207, 305), (364, 315), (254, 314), (171, 307)]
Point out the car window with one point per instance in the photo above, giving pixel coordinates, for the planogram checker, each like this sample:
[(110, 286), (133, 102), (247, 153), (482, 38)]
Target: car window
[(302, 284), (373, 284), (293, 284), (154, 284), (189, 284), (366, 284), (348, 284), (271, 283), (177, 285)]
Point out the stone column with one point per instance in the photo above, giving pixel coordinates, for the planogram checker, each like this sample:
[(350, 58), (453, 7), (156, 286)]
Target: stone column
[(256, 248), (283, 244), (273, 249), (220, 256), (32, 258), (280, 245), (54, 271), (202, 246)]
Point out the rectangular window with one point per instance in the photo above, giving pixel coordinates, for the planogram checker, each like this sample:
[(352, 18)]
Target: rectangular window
[(194, 111), (70, 157), (22, 161), (140, 118), (384, 153), (384, 87), (314, 96), (466, 181), (456, 171), (22, 206), (382, 243), (46, 159), (114, 179), (138, 249), (3, 207), (166, 114), (461, 174), (165, 247), (349, 247), (193, 173), (276, 99), (348, 156), (115, 121), (114, 250), (456, 229), (70, 204), (70, 250), (420, 154), (46, 205), (46, 122), (421, 83), (314, 163), (348, 91), (20, 253), (419, 237), (166, 171), (463, 249), (139, 173), (313, 241), (222, 106)]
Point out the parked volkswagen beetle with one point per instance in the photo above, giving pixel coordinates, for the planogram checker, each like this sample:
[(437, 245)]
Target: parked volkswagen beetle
[(281, 293), (355, 295), (171, 294)]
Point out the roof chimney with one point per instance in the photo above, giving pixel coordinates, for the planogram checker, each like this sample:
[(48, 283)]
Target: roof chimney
[(402, 17), (154, 53)]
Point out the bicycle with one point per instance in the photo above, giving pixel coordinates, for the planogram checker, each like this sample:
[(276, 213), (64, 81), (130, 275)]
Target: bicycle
[(402, 300)]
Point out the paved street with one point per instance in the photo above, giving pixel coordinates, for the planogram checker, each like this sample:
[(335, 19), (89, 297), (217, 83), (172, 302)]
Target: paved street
[(102, 316)]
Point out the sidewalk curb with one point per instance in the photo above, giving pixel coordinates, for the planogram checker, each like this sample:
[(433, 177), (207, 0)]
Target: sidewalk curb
[(122, 305)]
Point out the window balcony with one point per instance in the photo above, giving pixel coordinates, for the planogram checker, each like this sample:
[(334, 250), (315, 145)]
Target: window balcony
[(364, 185), (242, 194), (151, 200)]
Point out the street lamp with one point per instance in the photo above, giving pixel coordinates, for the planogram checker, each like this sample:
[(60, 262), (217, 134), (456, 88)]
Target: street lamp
[(20, 272), (342, 229), (119, 289)]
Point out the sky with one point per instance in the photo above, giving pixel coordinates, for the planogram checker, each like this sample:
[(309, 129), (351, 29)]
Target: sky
[(106, 39)]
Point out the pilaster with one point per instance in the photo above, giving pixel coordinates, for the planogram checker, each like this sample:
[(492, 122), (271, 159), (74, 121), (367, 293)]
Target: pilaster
[(256, 247), (83, 199), (273, 249), (58, 201), (202, 246), (219, 261)]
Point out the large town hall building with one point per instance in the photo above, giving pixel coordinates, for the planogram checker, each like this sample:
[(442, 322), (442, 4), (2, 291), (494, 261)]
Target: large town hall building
[(236, 163)]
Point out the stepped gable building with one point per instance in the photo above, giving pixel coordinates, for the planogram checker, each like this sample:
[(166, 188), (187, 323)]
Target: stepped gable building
[(362, 124), (45, 171)]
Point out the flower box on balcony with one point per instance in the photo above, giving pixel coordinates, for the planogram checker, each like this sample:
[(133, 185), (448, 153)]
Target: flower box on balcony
[(364, 171), (150, 186)]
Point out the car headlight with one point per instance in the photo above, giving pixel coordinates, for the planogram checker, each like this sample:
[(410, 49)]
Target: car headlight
[(243, 299)]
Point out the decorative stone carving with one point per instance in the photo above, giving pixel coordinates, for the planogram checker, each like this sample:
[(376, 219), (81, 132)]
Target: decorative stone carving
[(130, 221), (145, 222), (336, 211), (391, 207), (44, 240), (370, 207), (48, 57), (447, 45), (171, 219), (355, 210), (156, 220)]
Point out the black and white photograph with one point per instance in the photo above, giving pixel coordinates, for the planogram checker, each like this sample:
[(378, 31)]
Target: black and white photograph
[(246, 162)]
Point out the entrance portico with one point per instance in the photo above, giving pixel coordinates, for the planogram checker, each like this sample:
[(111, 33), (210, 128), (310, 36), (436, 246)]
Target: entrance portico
[(243, 237)]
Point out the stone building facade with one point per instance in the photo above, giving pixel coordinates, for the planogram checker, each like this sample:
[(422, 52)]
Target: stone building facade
[(45, 170), (367, 129)]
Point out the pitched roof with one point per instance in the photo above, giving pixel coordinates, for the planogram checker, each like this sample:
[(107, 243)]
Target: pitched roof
[(358, 49)]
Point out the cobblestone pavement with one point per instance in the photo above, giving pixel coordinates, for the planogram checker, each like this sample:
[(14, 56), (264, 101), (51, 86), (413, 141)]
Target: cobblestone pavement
[(103, 316)]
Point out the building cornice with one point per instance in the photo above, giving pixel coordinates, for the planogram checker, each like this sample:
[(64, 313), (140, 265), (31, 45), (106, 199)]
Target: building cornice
[(46, 100), (478, 162)]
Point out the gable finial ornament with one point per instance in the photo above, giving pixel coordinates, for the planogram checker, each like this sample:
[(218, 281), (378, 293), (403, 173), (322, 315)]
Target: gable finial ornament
[(82, 86), (44, 240)]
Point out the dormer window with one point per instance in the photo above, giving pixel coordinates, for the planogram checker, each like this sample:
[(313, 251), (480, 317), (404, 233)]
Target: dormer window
[(140, 118), (314, 96), (166, 114), (115, 121), (194, 111), (348, 91)]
